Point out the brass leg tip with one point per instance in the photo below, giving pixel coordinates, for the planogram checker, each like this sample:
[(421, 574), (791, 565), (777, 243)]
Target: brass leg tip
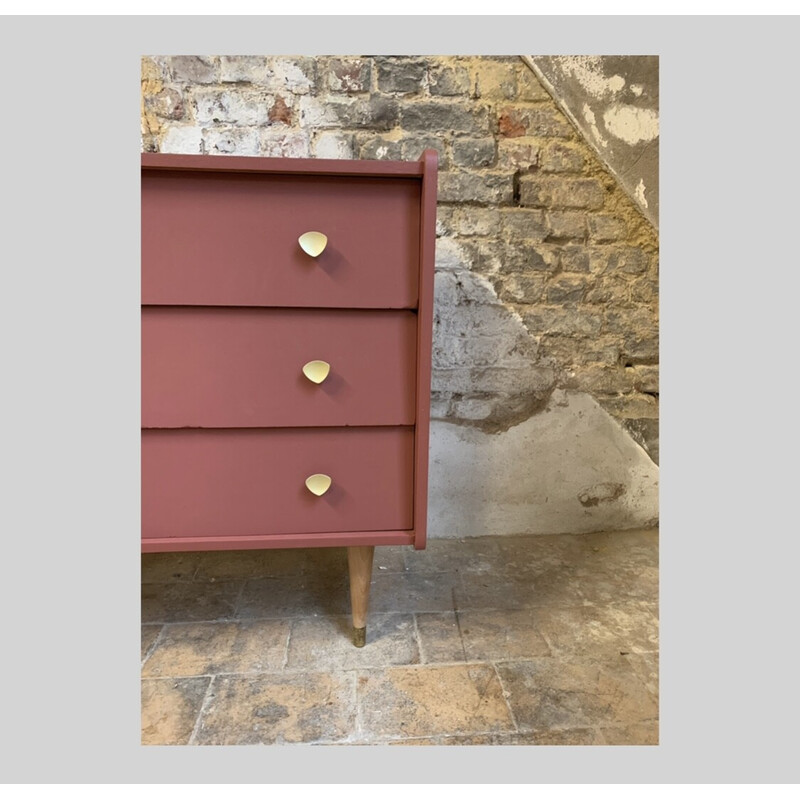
[(359, 636)]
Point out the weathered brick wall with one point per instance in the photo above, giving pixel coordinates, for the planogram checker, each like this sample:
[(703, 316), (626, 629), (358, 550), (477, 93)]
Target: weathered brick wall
[(547, 275)]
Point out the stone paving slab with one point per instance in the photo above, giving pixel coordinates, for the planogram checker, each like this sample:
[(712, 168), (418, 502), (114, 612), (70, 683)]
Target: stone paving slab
[(501, 641)]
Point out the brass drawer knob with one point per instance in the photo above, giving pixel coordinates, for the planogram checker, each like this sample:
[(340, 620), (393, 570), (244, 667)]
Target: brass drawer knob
[(313, 242), (316, 371), (318, 484)]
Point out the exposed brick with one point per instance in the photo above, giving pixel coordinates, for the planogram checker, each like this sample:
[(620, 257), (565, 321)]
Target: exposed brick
[(575, 258), (639, 348), (495, 80), (550, 192), (294, 76), (474, 152), (475, 187), (377, 148), (532, 121), (486, 255), (606, 228), (631, 406), (149, 143), (446, 220), (524, 223), (565, 289), (349, 75), (245, 107), (441, 116), (561, 157), (401, 75), (412, 147), (284, 144), (474, 221), (330, 144), (231, 141), (628, 259), (525, 288), (600, 379), (567, 225), (527, 257), (243, 69), (644, 290), (643, 321), (569, 350), (186, 139), (449, 81), (569, 320), (379, 113), (609, 289), (193, 69), (154, 69), (620, 259), (510, 125), (518, 154), (280, 112), (529, 87), (644, 378), (167, 104)]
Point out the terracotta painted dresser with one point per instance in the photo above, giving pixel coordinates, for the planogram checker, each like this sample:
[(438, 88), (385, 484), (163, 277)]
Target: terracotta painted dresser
[(286, 391)]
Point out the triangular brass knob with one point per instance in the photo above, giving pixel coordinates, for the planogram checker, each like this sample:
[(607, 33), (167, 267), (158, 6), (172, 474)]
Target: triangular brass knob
[(313, 242), (316, 371), (318, 484)]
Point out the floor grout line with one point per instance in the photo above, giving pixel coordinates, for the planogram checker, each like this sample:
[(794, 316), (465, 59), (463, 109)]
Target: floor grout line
[(153, 645), (206, 700), (506, 694)]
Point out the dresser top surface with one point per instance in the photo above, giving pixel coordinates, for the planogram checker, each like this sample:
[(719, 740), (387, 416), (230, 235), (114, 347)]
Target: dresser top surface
[(307, 166)]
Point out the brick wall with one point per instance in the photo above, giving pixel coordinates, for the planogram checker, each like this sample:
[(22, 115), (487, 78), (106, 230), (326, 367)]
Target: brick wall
[(547, 274)]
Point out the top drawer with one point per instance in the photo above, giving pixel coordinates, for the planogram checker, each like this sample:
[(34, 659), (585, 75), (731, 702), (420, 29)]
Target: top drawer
[(231, 239)]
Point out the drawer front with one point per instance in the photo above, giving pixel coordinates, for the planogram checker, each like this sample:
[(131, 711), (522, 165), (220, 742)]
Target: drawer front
[(227, 368), (232, 239), (221, 483)]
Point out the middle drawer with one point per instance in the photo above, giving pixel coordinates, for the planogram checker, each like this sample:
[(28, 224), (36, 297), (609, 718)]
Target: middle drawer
[(243, 367)]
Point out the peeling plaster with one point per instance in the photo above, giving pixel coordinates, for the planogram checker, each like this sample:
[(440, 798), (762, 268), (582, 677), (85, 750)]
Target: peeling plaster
[(589, 116), (613, 102), (639, 193), (589, 72), (631, 123)]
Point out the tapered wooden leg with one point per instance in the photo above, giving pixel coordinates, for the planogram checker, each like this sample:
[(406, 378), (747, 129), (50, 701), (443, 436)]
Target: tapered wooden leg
[(359, 562)]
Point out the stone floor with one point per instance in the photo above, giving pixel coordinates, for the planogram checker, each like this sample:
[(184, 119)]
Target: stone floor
[(524, 640)]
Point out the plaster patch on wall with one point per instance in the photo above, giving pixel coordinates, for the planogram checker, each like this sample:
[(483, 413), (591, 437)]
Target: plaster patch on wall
[(631, 123), (487, 369), (616, 83), (591, 120), (572, 469), (639, 193), (589, 72)]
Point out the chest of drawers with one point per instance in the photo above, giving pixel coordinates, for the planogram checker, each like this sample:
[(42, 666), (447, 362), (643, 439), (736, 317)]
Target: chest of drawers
[(285, 391)]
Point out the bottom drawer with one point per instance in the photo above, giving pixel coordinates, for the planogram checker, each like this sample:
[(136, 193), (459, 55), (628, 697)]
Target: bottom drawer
[(251, 482)]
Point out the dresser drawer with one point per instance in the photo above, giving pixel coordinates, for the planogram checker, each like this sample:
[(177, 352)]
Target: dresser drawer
[(219, 238), (220, 483), (224, 367)]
